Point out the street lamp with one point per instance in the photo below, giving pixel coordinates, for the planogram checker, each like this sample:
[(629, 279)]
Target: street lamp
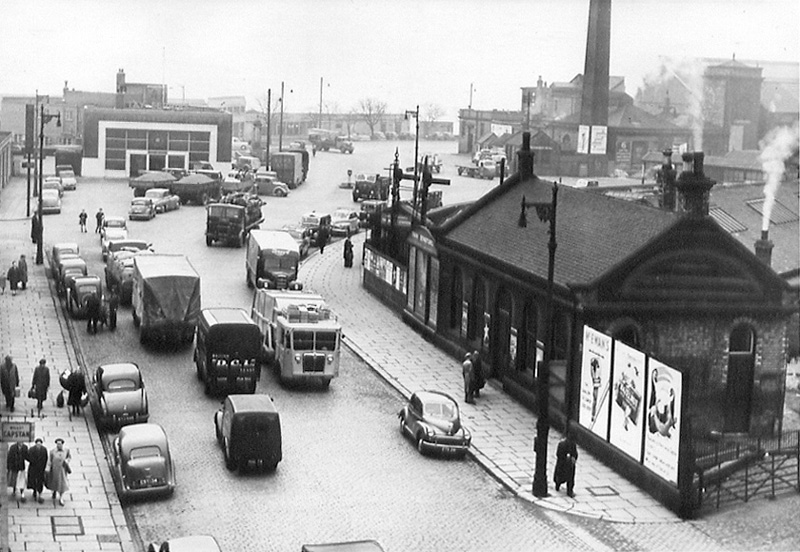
[(280, 130), (415, 114), (546, 213), (44, 118)]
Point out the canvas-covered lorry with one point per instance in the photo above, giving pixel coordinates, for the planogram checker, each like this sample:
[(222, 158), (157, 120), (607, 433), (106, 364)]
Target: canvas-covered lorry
[(231, 220), (273, 259), (289, 167), (165, 298), (300, 335)]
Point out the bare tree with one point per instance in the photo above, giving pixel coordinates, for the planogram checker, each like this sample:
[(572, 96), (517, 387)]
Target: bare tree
[(350, 120), (372, 111), (433, 112)]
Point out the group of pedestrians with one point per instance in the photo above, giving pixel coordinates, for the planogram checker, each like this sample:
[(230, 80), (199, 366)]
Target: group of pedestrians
[(16, 276), (474, 378), (43, 469), (9, 383)]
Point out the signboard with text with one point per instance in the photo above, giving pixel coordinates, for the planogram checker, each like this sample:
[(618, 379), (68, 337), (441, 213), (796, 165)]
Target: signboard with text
[(627, 408), (599, 140), (13, 431), (595, 393), (663, 435)]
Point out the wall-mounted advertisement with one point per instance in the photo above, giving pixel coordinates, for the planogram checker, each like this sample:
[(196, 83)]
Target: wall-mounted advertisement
[(627, 412), (662, 437), (583, 138), (599, 140), (595, 394)]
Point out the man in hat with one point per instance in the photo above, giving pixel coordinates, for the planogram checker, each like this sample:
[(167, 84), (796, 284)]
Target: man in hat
[(37, 463), (40, 383), (15, 463)]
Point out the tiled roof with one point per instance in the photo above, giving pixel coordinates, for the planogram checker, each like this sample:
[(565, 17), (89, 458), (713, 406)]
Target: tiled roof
[(746, 159), (594, 233)]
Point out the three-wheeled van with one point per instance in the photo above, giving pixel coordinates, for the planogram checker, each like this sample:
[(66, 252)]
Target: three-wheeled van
[(248, 428), (226, 351)]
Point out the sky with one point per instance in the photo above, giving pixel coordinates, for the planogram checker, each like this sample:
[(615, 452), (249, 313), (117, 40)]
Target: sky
[(401, 52)]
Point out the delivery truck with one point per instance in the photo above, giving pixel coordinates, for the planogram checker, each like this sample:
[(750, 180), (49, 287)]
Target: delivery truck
[(165, 298)]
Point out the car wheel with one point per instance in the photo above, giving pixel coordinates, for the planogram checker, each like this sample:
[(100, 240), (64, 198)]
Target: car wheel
[(230, 461), (209, 241), (420, 444), (279, 193), (402, 425)]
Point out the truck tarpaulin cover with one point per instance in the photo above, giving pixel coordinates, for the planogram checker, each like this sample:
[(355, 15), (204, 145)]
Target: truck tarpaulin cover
[(171, 288)]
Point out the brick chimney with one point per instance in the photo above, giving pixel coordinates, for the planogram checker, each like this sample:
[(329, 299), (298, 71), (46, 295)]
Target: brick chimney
[(667, 182), (525, 158), (763, 248), (693, 185), (121, 89)]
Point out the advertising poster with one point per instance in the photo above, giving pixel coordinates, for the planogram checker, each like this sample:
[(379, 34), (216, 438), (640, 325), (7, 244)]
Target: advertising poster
[(512, 346), (595, 394), (487, 323), (464, 318), (599, 140), (583, 139), (663, 431), (627, 392)]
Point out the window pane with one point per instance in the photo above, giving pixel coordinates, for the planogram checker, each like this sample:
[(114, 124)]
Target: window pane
[(137, 134), (115, 133), (198, 156), (157, 140), (115, 154), (115, 143), (177, 162), (115, 164), (303, 341), (137, 143)]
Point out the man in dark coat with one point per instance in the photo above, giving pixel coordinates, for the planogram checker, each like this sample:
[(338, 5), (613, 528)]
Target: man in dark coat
[(36, 228), (37, 463), (15, 464), (9, 381), (322, 238), (13, 277), (100, 217), (22, 266), (113, 305), (566, 457), (479, 379), (41, 384), (76, 386), (92, 312), (348, 253)]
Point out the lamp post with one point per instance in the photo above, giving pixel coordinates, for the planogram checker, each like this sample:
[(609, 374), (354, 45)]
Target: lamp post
[(415, 114), (269, 126), (44, 118), (546, 213), (280, 129)]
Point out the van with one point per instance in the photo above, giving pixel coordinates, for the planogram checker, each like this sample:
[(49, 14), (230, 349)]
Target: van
[(248, 429), (273, 259), (227, 350)]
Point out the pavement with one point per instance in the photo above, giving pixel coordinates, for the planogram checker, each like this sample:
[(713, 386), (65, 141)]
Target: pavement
[(32, 327)]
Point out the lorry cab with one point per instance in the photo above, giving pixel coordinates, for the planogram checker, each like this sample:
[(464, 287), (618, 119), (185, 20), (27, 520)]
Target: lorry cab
[(227, 350), (248, 428), (314, 222), (299, 333), (273, 259)]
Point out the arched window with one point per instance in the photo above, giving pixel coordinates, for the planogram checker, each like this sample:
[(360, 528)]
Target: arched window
[(456, 298)]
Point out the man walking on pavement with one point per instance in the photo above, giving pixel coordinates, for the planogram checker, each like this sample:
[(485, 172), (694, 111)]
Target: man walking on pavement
[(92, 312), (9, 381), (100, 217), (37, 463), (566, 457), (82, 220), (15, 463), (40, 384), (22, 268)]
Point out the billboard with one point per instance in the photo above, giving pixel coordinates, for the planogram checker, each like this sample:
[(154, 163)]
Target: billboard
[(595, 391), (583, 139), (599, 140), (662, 438), (627, 412)]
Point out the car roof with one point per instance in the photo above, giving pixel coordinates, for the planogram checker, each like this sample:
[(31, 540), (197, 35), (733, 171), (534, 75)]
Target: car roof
[(219, 315), (252, 403), (120, 370), (428, 396), (142, 434)]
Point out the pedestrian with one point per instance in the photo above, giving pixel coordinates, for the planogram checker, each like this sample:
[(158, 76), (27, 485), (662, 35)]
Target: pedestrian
[(9, 381), (566, 457), (22, 266), (467, 370), (37, 464), (35, 227), (348, 252), (92, 312), (479, 379), (113, 305), (2, 283), (15, 464), (40, 384), (13, 277), (100, 218), (322, 238), (314, 150), (82, 220), (76, 387), (59, 470)]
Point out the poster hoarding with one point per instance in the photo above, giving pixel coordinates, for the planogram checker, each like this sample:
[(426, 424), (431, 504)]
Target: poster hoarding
[(599, 140), (627, 409), (583, 139), (595, 392), (662, 437)]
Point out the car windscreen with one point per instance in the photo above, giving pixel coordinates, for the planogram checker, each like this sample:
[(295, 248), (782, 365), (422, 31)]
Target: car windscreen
[(287, 261), (145, 452)]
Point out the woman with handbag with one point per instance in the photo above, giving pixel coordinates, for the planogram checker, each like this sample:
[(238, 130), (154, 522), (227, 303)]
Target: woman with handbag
[(58, 468), (9, 381), (40, 384)]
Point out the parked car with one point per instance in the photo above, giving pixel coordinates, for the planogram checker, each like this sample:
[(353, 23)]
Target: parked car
[(192, 543), (302, 236), (114, 229), (51, 202), (74, 266), (119, 272), (53, 183), (314, 222), (267, 184), (121, 395), (163, 199), (128, 244), (79, 288), (142, 208), (248, 427), (62, 251), (62, 168), (344, 222), (142, 462), (432, 420), (68, 180)]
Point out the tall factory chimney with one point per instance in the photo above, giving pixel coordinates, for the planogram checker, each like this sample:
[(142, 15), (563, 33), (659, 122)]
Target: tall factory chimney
[(594, 97)]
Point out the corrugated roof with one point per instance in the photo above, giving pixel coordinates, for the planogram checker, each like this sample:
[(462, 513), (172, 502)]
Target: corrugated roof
[(594, 233)]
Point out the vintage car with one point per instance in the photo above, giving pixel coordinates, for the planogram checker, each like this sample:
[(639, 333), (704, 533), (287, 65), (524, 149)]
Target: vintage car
[(128, 244), (344, 222), (121, 395), (268, 184), (119, 272), (432, 420), (191, 543), (142, 208), (248, 428), (142, 463), (114, 229), (78, 289), (163, 199), (68, 267), (53, 183), (237, 181), (51, 202), (68, 180), (302, 236), (62, 251), (314, 222)]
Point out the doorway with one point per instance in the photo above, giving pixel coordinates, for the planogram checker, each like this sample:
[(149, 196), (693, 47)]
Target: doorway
[(137, 163), (741, 369)]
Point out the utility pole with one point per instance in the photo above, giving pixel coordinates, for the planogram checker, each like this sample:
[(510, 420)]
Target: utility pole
[(269, 125), (280, 130), (319, 123)]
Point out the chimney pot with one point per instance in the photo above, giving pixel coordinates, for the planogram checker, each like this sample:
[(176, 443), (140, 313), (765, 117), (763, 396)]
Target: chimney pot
[(694, 186), (763, 248), (525, 157)]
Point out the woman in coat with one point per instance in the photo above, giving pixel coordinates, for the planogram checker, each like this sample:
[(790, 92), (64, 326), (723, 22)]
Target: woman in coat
[(9, 381), (58, 467), (76, 386), (13, 277), (37, 464), (41, 383), (22, 267)]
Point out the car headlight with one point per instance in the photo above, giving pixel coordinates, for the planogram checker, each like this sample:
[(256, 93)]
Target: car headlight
[(297, 358), (430, 431)]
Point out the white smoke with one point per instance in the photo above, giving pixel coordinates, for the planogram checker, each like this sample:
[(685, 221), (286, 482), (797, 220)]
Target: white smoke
[(776, 147)]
